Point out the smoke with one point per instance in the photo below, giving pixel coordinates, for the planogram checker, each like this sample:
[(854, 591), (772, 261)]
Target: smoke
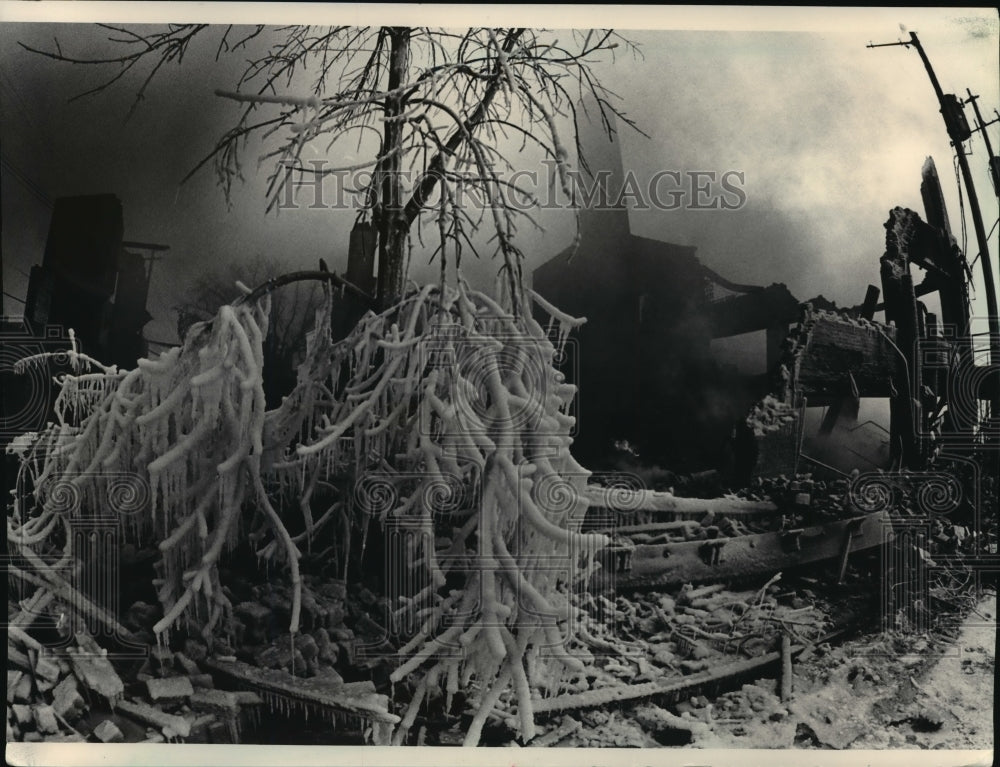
[(829, 137), (823, 158)]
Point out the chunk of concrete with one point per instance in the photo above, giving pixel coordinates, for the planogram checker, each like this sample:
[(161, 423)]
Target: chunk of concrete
[(45, 720), (47, 669), (66, 699), (97, 674), (23, 717), (174, 688), (108, 732), (142, 712), (215, 700)]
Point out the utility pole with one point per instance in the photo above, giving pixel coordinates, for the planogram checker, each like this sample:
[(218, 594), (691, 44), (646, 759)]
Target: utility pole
[(958, 132), (981, 127)]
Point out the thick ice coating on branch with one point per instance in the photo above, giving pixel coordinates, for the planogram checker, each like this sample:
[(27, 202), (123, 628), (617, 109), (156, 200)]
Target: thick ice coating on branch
[(183, 433), (444, 413)]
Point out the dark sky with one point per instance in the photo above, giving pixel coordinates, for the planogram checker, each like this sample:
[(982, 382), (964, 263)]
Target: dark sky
[(827, 134)]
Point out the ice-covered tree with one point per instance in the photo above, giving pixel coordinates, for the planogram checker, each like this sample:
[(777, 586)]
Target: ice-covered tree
[(292, 314), (442, 412)]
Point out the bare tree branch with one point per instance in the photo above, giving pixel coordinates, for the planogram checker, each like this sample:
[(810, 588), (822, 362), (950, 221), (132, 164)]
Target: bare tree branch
[(341, 86)]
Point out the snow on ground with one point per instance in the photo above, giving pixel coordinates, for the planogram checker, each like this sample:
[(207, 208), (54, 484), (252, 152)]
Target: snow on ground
[(863, 695)]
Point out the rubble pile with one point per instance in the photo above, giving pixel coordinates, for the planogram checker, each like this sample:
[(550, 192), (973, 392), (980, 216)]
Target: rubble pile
[(44, 694), (661, 638), (74, 693), (805, 499), (260, 636), (798, 501), (894, 690), (691, 629), (159, 691), (770, 415), (167, 691)]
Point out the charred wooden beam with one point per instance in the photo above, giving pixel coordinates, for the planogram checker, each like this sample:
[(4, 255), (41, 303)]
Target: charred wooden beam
[(720, 559), (355, 699), (946, 256), (760, 310), (730, 675), (679, 526), (906, 240), (930, 191), (931, 246), (921, 244), (870, 302), (925, 288), (786, 667), (666, 692), (670, 506)]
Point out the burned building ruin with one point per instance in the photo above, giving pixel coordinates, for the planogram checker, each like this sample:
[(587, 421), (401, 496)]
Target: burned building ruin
[(92, 280), (655, 313)]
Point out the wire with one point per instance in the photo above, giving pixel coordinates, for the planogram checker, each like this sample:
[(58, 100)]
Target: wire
[(906, 369), (906, 366), (961, 206), (973, 264), (30, 185)]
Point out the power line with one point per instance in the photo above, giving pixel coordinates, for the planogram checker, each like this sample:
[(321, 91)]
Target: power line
[(958, 131), (30, 185), (992, 228)]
